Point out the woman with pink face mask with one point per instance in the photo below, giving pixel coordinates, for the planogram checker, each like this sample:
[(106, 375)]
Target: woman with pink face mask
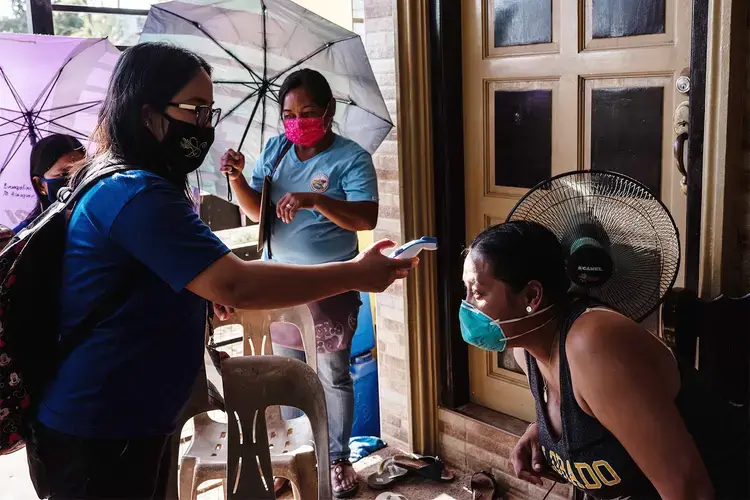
[(324, 189)]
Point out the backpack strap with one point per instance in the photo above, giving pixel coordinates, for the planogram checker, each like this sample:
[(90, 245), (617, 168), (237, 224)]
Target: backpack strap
[(117, 296), (69, 196)]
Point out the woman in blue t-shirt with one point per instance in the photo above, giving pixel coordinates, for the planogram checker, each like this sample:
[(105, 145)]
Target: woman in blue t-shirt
[(51, 160), (324, 189), (106, 416)]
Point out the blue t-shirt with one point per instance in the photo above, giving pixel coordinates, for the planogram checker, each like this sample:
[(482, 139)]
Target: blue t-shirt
[(343, 172), (133, 373)]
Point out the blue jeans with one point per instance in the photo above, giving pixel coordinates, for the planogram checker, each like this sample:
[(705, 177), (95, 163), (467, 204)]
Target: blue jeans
[(333, 371)]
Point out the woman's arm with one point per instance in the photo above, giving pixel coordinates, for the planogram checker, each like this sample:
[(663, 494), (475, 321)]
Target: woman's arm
[(247, 197), (349, 215), (159, 228), (268, 285), (629, 381), (232, 164)]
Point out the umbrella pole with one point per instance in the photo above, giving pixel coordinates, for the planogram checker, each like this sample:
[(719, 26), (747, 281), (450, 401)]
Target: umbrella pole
[(33, 138), (261, 95)]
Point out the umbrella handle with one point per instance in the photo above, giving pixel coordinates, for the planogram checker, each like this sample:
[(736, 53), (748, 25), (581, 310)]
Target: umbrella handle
[(229, 188)]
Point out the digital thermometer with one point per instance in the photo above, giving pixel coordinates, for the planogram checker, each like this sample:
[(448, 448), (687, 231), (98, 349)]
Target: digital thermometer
[(412, 249)]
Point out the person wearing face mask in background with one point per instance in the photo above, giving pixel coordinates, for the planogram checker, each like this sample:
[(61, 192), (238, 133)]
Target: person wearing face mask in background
[(617, 415), (52, 160), (106, 416), (324, 189)]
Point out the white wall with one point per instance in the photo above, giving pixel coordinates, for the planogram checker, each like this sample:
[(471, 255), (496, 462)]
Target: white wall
[(337, 11)]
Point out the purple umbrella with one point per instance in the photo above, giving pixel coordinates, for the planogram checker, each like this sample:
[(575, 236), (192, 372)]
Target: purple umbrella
[(48, 84)]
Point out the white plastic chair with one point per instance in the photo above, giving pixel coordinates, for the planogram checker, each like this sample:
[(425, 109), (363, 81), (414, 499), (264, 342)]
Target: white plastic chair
[(289, 441), (198, 404), (261, 448)]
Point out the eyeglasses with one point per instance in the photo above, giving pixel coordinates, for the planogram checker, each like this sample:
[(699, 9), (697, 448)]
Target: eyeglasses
[(205, 116)]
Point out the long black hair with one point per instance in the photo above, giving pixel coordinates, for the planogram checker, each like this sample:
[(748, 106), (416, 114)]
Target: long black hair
[(147, 74), (524, 251), (45, 153)]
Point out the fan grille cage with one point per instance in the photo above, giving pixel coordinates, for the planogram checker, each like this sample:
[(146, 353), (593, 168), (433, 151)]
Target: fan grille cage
[(643, 238)]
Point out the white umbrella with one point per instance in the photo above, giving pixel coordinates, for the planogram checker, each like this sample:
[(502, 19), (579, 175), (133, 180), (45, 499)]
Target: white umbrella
[(253, 45)]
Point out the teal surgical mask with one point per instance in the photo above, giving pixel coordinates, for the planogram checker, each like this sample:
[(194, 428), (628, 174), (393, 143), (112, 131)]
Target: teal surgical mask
[(486, 333)]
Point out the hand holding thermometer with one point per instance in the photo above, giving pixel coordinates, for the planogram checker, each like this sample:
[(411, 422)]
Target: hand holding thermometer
[(412, 249)]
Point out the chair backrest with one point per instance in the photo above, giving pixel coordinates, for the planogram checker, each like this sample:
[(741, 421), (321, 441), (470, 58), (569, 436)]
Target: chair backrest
[(198, 404), (714, 335), (252, 384), (256, 326)]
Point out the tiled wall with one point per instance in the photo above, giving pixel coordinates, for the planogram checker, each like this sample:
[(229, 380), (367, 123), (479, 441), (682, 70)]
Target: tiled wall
[(468, 444), (379, 40)]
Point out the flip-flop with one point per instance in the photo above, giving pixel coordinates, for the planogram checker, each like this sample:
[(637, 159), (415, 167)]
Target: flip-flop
[(387, 474), (390, 496), (483, 486), (429, 467)]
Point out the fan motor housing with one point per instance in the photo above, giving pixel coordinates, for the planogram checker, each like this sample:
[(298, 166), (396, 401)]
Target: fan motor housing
[(589, 263)]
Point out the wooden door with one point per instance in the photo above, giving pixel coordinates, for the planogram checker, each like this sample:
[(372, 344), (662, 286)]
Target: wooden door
[(557, 85)]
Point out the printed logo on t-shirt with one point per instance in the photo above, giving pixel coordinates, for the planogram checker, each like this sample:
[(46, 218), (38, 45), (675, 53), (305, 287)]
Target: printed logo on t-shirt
[(319, 183)]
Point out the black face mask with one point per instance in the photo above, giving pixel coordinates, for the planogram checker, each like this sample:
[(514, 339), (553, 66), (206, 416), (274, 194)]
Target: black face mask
[(53, 187), (186, 145)]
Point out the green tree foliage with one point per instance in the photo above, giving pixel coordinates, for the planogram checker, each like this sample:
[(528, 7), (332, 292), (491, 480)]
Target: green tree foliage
[(121, 29), (17, 22)]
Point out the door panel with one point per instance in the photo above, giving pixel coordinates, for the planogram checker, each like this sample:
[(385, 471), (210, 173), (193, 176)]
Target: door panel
[(552, 86), (626, 18)]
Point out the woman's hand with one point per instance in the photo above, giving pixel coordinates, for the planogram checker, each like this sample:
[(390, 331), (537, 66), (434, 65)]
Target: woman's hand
[(232, 164), (526, 459), (287, 206), (223, 313), (376, 271)]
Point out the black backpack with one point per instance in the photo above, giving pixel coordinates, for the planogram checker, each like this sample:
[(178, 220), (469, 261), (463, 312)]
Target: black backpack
[(30, 282)]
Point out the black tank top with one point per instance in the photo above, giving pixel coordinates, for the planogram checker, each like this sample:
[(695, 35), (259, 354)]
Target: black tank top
[(590, 457)]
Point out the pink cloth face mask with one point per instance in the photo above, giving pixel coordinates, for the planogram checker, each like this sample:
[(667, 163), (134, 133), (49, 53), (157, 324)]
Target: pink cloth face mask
[(306, 132)]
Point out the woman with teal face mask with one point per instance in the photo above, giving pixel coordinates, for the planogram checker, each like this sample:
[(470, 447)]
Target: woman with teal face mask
[(51, 161), (617, 415)]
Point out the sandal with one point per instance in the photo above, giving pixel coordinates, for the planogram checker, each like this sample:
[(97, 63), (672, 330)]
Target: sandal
[(430, 467), (483, 486), (387, 474), (338, 468)]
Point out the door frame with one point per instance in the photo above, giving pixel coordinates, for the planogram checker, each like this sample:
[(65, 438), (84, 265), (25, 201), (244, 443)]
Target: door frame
[(430, 125)]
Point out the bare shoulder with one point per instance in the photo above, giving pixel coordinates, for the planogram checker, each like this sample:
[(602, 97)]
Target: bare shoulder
[(602, 342), (606, 331)]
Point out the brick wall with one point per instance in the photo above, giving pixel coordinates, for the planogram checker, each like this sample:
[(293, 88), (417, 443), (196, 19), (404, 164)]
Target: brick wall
[(379, 29), (468, 444)]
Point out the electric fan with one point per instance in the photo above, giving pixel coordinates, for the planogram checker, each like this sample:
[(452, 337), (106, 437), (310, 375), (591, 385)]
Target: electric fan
[(621, 243)]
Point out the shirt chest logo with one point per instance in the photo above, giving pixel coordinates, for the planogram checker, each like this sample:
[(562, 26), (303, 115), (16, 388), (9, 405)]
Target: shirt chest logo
[(320, 183)]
